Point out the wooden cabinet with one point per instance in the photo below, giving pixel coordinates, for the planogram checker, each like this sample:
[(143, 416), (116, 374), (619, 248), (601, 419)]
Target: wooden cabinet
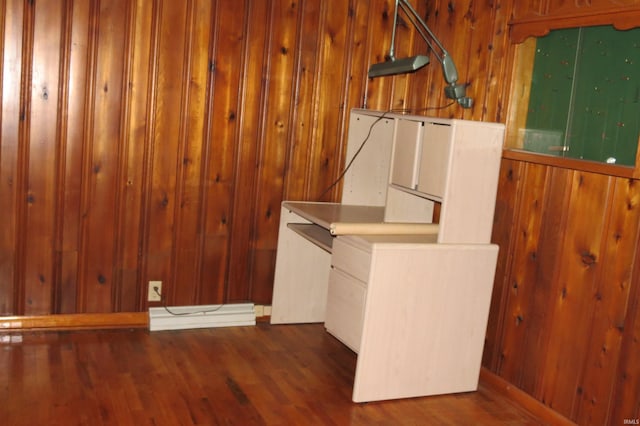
[(405, 166), (415, 312)]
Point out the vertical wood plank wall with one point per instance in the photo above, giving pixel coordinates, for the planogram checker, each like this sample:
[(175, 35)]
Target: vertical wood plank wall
[(564, 318), (155, 139), (564, 325)]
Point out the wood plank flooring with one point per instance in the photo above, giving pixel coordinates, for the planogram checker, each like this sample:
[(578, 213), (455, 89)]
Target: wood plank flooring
[(262, 375)]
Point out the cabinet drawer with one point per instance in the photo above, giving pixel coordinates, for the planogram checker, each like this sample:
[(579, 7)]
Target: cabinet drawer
[(353, 260), (345, 308)]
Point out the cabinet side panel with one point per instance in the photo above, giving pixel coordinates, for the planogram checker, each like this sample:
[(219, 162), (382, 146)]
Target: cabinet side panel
[(436, 149), (407, 144), (366, 180), (424, 323), (301, 276), (472, 182)]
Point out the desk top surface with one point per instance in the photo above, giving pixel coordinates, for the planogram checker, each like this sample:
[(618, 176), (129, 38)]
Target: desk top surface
[(344, 219)]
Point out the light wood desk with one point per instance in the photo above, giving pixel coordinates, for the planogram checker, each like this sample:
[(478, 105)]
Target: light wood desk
[(410, 297)]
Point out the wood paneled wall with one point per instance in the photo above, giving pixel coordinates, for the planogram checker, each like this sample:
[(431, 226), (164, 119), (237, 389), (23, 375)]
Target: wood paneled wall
[(564, 320), (154, 139), (564, 325)]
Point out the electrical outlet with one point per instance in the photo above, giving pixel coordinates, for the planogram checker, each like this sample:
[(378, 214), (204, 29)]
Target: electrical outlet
[(154, 291)]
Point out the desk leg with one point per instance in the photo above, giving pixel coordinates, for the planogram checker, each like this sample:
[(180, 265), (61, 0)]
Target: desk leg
[(425, 321), (301, 276)]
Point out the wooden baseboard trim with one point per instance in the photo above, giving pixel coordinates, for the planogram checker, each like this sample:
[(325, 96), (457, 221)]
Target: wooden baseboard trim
[(74, 321), (523, 399)]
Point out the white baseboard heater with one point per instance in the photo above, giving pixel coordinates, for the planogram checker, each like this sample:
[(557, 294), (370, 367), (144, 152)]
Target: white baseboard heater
[(205, 316)]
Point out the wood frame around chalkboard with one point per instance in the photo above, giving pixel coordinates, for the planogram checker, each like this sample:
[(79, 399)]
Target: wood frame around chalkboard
[(528, 24)]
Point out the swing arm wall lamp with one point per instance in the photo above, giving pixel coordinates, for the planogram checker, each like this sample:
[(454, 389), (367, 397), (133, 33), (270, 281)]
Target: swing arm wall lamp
[(393, 66)]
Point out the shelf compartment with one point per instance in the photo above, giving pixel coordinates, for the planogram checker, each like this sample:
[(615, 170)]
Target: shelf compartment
[(313, 233)]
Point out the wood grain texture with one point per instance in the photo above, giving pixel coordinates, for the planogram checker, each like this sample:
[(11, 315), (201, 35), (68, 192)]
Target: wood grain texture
[(261, 375), (12, 27), (66, 322), (568, 291), (215, 111), (538, 17), (155, 140), (134, 134), (41, 183), (565, 306)]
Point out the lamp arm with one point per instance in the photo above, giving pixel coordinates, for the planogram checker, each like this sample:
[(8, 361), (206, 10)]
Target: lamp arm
[(448, 66), (393, 33)]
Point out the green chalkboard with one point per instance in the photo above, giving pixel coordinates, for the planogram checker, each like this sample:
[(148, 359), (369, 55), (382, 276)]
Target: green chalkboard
[(585, 95)]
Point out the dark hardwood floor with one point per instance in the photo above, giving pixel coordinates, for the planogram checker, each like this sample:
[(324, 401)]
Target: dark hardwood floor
[(263, 375)]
